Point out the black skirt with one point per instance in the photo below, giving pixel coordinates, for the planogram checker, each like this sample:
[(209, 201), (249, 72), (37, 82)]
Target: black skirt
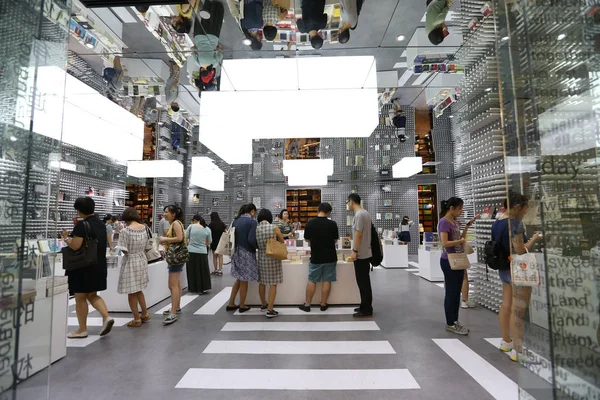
[(198, 273), (405, 236), (87, 279)]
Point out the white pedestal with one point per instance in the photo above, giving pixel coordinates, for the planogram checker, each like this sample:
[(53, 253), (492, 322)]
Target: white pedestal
[(35, 338), (293, 289), (395, 256), (429, 265), (156, 291)]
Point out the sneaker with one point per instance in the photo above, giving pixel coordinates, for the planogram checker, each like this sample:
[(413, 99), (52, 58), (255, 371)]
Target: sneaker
[(169, 319), (107, 327), (512, 354), (463, 304), (360, 314), (471, 304), (462, 326), (506, 346), (325, 307), (272, 314), (165, 313), (458, 329), (264, 308), (304, 308)]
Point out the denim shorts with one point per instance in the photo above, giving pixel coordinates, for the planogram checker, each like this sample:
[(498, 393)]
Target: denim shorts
[(325, 272), (175, 268), (505, 276)]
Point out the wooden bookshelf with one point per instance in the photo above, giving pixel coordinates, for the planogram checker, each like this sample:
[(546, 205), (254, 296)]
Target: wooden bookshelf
[(428, 212), (141, 198), (303, 204)]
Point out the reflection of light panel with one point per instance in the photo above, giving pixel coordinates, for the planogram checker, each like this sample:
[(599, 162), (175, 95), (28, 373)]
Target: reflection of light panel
[(408, 166), (307, 172), (405, 77), (155, 169), (207, 175), (277, 74), (69, 110), (62, 165), (307, 180), (421, 78), (521, 164)]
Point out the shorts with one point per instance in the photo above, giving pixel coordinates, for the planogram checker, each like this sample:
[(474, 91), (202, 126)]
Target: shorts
[(322, 272), (175, 268), (111, 75), (505, 276)]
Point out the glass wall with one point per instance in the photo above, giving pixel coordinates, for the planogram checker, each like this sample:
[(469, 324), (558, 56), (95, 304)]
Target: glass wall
[(549, 74), (34, 37)]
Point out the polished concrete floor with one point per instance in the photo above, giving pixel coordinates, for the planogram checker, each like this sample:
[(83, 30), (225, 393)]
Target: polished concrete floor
[(403, 352)]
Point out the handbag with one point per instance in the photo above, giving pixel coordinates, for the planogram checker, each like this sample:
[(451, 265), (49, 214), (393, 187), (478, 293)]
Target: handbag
[(468, 248), (226, 244), (459, 261), (525, 270), (177, 253), (276, 249), (152, 254), (85, 256)]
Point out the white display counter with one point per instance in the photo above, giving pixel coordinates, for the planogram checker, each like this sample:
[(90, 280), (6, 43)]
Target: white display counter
[(395, 256), (293, 289), (156, 291), (429, 265)]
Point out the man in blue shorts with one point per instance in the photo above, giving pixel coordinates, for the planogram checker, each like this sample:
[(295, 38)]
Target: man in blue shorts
[(322, 233)]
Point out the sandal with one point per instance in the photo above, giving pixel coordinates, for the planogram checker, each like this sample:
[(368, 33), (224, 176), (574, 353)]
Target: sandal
[(134, 323), (145, 317)]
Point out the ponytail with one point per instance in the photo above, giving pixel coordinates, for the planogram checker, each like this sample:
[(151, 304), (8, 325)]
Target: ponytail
[(447, 204)]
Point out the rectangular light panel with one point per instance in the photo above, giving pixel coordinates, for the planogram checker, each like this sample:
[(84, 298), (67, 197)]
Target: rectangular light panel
[(155, 169), (71, 111), (207, 175), (407, 167)]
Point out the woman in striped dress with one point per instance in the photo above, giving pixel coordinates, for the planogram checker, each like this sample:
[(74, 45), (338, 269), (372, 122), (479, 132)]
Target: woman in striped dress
[(133, 277), (269, 269)]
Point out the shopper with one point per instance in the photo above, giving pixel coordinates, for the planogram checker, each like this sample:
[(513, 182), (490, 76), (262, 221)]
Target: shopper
[(435, 20), (133, 277), (244, 267), (172, 86), (217, 228), (297, 224), (515, 300), (322, 234), (252, 22), (272, 14), (198, 271), (206, 32), (350, 10), (163, 226), (452, 242), (109, 232), (313, 20), (114, 75), (269, 269), (284, 224), (405, 229), (86, 282), (361, 254), (175, 236)]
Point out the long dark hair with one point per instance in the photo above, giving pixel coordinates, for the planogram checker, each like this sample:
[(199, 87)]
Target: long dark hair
[(175, 209), (241, 212), (201, 220), (405, 220), (447, 204), (215, 221)]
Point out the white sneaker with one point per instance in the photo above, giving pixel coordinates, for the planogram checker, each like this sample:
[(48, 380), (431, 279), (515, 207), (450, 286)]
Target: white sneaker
[(471, 304), (463, 304), (506, 347)]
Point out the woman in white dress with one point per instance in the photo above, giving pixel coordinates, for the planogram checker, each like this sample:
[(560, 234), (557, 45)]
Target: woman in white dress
[(133, 278)]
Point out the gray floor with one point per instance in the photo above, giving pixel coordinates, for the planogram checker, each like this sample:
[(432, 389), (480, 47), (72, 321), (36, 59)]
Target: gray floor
[(148, 362)]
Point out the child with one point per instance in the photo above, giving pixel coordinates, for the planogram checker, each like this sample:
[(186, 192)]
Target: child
[(435, 24)]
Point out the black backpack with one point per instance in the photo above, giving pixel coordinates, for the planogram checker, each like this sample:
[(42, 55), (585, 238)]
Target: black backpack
[(496, 256), (376, 248)]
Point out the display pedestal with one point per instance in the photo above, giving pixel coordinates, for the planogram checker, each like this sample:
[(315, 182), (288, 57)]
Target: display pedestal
[(429, 265), (156, 291), (35, 335), (395, 256), (293, 289)]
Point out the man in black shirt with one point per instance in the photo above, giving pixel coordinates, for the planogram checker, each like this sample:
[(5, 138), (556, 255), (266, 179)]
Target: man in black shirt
[(322, 233), (313, 20)]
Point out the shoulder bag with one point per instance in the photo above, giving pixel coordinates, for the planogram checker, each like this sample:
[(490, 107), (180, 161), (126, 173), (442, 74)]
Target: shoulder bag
[(152, 254), (459, 261), (177, 253), (276, 249), (226, 244), (85, 256)]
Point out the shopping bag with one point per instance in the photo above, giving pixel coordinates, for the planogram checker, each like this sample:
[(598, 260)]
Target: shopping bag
[(525, 270), (226, 244)]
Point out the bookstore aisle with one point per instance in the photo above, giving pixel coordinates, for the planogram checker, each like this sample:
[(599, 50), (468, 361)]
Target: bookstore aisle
[(403, 352)]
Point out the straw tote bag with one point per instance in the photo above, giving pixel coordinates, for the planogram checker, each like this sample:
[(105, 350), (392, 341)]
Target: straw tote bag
[(276, 249)]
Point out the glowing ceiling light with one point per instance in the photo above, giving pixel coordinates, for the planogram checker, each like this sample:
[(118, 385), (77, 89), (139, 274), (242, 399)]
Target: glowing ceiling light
[(207, 175), (155, 169)]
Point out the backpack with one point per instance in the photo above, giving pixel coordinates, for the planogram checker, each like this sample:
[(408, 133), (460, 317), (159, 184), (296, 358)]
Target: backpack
[(496, 256), (376, 248)]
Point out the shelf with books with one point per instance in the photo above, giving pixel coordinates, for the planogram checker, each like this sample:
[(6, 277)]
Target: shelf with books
[(303, 204)]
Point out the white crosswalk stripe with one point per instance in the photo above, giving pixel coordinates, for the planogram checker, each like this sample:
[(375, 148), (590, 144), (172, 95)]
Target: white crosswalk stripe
[(216, 303), (97, 321), (185, 300), (315, 311), (299, 347), (301, 326), (82, 342)]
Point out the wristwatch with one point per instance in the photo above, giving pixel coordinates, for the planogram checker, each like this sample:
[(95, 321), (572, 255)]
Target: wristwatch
[(355, 251)]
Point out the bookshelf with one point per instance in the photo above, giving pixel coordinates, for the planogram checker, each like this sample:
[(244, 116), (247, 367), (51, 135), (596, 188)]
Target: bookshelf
[(428, 212), (141, 198), (303, 204)]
